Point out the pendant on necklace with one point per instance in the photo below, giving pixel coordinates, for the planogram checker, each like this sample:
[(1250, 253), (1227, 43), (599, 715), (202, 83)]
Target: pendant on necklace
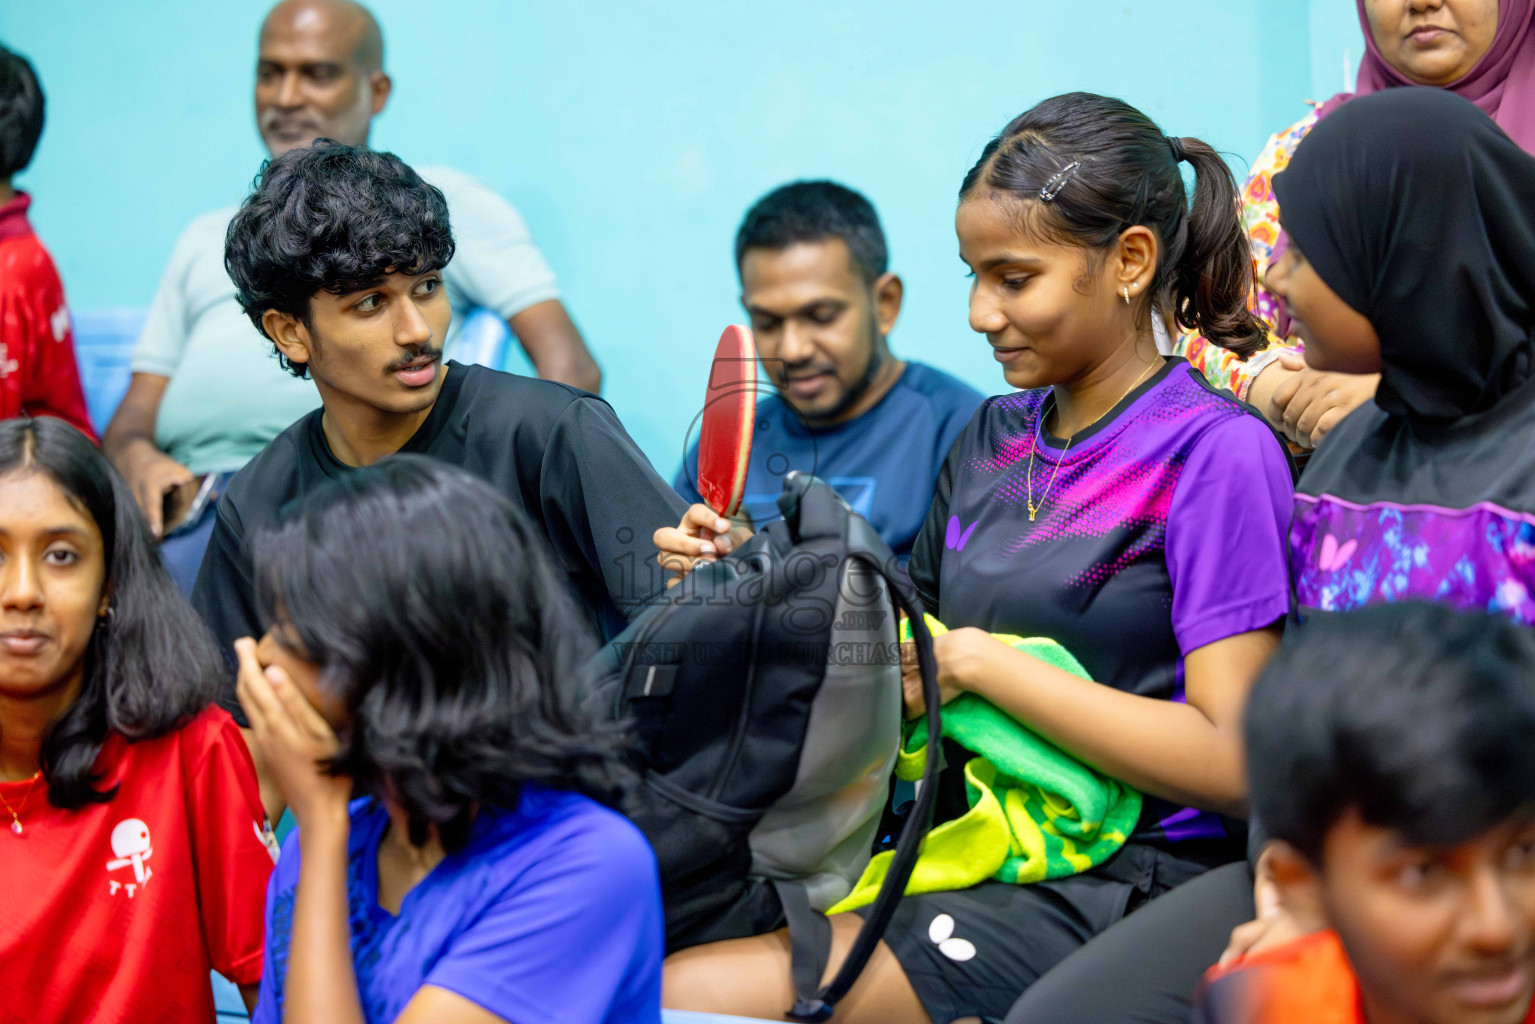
[(16, 827), (1032, 510)]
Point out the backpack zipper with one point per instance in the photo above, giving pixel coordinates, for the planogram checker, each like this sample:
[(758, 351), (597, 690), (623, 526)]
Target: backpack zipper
[(738, 739), (643, 639)]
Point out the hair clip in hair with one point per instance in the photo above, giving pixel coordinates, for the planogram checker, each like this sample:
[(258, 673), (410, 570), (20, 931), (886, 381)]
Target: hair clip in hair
[(1058, 181)]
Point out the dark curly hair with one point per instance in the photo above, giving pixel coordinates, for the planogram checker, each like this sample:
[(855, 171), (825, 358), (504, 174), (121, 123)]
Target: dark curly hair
[(151, 663), (1111, 168), (21, 112), (329, 217), (447, 635)]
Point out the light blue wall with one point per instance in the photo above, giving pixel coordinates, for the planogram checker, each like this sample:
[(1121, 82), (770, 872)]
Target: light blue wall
[(1336, 46), (633, 135)]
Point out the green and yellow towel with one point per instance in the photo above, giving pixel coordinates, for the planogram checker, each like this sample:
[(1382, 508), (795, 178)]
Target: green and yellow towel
[(1035, 813)]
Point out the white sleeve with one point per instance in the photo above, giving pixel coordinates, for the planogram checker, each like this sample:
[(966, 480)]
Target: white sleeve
[(164, 337), (496, 265)]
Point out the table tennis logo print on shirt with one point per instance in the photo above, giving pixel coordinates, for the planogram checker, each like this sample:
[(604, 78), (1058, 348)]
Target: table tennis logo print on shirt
[(129, 871)]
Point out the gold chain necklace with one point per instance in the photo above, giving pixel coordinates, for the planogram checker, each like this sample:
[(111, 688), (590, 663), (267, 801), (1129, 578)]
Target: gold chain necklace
[(1033, 509), (15, 812)]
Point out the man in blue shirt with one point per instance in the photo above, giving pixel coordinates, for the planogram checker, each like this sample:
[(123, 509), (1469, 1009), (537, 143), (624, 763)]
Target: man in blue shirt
[(816, 285)]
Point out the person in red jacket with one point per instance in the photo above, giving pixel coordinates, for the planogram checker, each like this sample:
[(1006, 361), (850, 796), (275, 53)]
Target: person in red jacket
[(38, 375)]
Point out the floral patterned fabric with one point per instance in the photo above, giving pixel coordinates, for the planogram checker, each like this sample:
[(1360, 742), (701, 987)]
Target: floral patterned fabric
[(1345, 555), (1260, 218)]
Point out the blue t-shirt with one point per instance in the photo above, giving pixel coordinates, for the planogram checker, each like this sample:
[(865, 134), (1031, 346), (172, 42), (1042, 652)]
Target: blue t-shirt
[(551, 912), (884, 463)]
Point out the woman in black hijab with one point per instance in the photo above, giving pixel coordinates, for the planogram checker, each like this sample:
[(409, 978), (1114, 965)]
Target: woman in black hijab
[(1411, 219), (1412, 222)]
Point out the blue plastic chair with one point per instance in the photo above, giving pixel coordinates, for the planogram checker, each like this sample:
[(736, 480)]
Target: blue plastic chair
[(104, 340), (485, 339), (227, 1002), (226, 998)]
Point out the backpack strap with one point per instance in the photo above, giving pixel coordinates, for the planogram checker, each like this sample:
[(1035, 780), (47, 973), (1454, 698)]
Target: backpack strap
[(809, 939), (810, 943)]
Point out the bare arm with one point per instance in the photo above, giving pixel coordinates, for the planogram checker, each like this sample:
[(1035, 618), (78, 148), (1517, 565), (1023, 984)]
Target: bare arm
[(135, 417), (1260, 393), (433, 1005), (1305, 404), (321, 985), (129, 442), (1187, 753), (554, 343)]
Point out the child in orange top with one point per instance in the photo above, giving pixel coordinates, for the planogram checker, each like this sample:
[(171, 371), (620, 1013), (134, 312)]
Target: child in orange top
[(1391, 755)]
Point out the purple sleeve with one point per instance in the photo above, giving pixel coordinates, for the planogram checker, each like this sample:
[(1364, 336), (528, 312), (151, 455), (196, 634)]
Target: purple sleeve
[(1226, 532), (577, 938)]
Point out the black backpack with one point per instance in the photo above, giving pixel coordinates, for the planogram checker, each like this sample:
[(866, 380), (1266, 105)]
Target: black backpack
[(764, 694)]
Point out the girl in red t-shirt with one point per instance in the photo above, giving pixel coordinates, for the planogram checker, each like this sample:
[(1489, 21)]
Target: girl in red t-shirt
[(131, 830)]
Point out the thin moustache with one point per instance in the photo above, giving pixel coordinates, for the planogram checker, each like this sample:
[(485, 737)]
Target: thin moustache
[(426, 355)]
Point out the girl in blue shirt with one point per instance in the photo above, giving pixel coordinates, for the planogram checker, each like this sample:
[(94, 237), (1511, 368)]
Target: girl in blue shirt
[(417, 657)]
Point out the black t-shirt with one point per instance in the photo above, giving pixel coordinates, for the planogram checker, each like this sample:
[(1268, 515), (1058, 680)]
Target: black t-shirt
[(558, 453)]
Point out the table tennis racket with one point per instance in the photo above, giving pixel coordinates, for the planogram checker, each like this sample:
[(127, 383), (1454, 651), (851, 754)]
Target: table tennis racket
[(725, 433)]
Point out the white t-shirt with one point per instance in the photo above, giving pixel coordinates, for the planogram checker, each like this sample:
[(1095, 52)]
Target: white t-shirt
[(228, 396)]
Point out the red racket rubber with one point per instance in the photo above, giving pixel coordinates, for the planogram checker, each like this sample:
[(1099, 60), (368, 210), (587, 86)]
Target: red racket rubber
[(725, 434)]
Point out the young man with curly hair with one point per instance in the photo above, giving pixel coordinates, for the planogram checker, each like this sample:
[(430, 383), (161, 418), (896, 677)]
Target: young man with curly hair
[(205, 395), (337, 258)]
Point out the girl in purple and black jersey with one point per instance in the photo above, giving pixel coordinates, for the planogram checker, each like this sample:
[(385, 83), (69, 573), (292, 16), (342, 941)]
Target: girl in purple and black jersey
[(1118, 505), (1412, 255)]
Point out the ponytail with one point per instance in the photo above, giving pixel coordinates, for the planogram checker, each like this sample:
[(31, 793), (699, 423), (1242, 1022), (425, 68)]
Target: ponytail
[(1214, 276), (1092, 167)]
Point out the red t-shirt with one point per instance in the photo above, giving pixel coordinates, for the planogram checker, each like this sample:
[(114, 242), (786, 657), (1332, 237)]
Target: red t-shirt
[(117, 912), (38, 375), (1308, 980)]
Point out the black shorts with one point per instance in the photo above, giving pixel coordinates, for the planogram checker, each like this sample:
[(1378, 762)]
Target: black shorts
[(972, 953)]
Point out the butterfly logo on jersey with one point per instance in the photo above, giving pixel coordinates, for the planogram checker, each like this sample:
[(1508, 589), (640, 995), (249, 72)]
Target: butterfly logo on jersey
[(953, 538), (1335, 556), (131, 848)]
